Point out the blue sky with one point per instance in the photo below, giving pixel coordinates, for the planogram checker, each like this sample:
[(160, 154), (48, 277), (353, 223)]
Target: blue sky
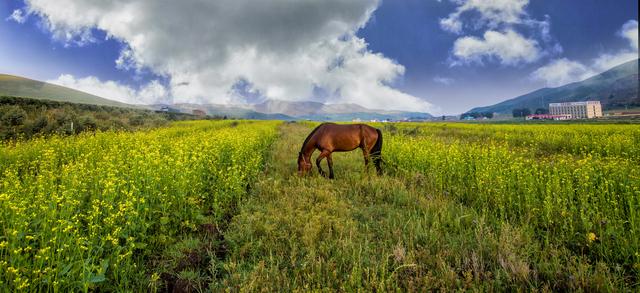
[(444, 57)]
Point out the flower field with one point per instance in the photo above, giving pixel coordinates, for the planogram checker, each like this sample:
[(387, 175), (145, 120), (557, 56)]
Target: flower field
[(576, 186), (78, 211), (217, 205)]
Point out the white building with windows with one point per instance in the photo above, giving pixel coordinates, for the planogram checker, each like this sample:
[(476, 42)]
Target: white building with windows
[(577, 110)]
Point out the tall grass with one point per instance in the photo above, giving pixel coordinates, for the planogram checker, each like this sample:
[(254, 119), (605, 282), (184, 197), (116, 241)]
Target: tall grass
[(578, 186), (86, 212)]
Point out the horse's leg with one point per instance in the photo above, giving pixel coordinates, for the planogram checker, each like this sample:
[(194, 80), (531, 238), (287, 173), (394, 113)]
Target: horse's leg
[(367, 158), (330, 163), (319, 159)]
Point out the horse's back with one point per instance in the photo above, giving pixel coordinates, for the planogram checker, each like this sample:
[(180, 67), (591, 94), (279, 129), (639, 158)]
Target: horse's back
[(347, 127), (345, 137)]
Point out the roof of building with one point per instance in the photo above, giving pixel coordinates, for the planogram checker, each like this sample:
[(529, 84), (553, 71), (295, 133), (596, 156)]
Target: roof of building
[(573, 103), (548, 116)]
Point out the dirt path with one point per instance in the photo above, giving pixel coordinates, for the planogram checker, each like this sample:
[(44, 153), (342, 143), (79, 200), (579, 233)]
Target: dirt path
[(359, 231)]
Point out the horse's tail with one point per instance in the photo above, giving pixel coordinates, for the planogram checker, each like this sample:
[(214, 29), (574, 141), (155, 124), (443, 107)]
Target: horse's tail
[(376, 152)]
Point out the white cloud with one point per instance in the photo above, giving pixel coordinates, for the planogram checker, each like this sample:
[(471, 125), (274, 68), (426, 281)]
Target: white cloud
[(491, 13), (451, 24), (17, 16), (283, 49), (607, 61), (152, 92), (501, 41), (562, 71), (629, 31), (510, 48), (443, 80)]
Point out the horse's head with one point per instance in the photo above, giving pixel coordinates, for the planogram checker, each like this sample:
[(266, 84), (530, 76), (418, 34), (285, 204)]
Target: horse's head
[(304, 166)]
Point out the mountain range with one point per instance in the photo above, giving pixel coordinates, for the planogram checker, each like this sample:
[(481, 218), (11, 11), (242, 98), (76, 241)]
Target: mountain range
[(288, 110), (614, 88), (16, 86)]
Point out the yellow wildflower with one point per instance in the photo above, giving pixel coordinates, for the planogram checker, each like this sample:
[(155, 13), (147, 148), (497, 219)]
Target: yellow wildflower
[(591, 237)]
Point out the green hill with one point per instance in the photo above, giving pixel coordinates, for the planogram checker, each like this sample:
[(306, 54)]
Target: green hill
[(16, 86), (614, 88)]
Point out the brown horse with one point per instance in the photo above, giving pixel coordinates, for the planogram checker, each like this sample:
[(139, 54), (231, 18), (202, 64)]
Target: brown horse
[(331, 137)]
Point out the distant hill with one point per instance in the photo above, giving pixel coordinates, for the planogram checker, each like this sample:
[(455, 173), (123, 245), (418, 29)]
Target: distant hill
[(306, 108), (225, 110), (333, 112), (285, 110), (366, 116), (614, 88), (16, 86), (269, 110)]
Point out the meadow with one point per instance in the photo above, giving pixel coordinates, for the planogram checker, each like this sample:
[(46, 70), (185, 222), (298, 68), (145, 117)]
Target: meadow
[(217, 205)]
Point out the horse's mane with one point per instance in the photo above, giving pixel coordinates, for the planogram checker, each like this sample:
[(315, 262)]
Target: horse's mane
[(306, 140)]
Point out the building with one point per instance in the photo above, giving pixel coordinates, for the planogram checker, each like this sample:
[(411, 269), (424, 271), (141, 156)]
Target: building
[(577, 110), (548, 117)]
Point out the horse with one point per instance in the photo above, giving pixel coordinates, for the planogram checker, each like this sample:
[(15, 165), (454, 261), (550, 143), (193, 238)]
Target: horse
[(331, 137)]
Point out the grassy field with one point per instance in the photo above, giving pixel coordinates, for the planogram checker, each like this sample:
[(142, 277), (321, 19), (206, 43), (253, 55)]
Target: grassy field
[(446, 215), (215, 206)]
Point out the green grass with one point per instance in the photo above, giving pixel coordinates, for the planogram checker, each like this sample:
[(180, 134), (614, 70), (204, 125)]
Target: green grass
[(362, 232)]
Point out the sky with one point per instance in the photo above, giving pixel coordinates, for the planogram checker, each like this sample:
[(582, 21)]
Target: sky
[(436, 56)]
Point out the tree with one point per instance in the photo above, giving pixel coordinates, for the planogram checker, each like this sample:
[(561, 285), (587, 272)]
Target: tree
[(13, 115), (521, 112), (87, 122), (487, 114), (476, 115), (137, 120), (36, 125)]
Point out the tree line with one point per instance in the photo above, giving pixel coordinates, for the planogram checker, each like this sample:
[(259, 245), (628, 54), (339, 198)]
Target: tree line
[(518, 112), (26, 118), (476, 115), (524, 112)]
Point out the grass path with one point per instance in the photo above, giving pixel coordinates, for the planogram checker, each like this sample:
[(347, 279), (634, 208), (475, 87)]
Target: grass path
[(360, 232)]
